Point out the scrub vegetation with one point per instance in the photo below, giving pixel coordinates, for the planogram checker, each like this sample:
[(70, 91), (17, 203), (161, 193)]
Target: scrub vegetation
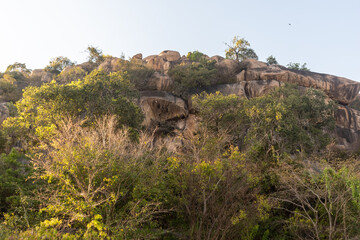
[(77, 164)]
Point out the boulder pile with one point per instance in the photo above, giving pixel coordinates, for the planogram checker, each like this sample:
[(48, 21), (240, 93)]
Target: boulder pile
[(250, 78)]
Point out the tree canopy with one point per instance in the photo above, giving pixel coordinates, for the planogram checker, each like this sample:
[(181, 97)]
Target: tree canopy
[(239, 49)]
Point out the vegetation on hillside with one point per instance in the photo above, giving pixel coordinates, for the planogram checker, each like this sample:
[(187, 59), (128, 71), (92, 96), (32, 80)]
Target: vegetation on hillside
[(77, 164)]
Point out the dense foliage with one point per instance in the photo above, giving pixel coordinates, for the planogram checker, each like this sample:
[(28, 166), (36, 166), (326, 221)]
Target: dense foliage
[(196, 75), (78, 165), (42, 108)]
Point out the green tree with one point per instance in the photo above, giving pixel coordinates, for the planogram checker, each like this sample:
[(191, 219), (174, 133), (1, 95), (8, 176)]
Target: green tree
[(20, 67), (271, 60), (284, 121), (95, 55), (239, 49), (57, 64), (192, 76), (297, 66), (196, 56), (42, 108), (71, 74), (323, 204)]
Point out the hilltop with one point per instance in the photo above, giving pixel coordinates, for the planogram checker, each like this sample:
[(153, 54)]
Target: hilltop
[(178, 147)]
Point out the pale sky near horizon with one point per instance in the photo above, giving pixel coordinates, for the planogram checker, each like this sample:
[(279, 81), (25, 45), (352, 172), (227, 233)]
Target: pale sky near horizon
[(323, 33)]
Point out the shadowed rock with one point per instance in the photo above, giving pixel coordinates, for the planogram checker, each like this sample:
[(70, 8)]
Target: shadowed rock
[(161, 106), (347, 128)]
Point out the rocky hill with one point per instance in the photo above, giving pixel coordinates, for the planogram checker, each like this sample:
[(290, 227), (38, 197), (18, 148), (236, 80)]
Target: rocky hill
[(248, 79), (170, 110), (175, 147)]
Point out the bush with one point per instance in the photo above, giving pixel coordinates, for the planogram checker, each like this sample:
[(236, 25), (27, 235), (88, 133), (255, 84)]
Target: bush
[(196, 56), (321, 203), (284, 121), (100, 182), (192, 77), (42, 108)]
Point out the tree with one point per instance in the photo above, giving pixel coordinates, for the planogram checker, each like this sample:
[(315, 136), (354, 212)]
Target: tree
[(239, 49), (323, 203), (271, 60), (57, 64), (218, 194), (192, 76), (283, 121), (95, 55), (19, 67), (42, 108), (99, 182), (297, 66), (196, 56)]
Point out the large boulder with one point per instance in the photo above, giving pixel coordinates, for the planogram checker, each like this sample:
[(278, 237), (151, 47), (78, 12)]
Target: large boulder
[(159, 107), (41, 75), (340, 89), (160, 82), (252, 63), (248, 89), (347, 128), (227, 70), (227, 89), (217, 58), (260, 87), (170, 56), (155, 62), (138, 56)]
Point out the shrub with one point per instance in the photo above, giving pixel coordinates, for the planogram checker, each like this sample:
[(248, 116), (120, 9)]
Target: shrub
[(100, 182), (192, 77), (42, 108), (284, 121)]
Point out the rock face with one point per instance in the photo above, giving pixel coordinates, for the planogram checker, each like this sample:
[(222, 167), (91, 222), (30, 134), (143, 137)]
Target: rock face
[(347, 128), (248, 89), (155, 62), (226, 89), (4, 111), (227, 70), (160, 107), (340, 89), (138, 56), (248, 79), (162, 62), (42, 75), (160, 82), (170, 56)]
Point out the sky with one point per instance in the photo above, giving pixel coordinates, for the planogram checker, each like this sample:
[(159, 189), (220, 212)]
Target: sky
[(325, 34)]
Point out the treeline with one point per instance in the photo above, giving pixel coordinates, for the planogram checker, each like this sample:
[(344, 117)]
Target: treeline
[(77, 164)]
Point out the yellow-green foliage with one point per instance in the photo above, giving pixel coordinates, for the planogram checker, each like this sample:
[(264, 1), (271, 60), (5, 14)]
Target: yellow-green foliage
[(42, 108), (98, 180), (322, 204), (284, 121), (71, 74)]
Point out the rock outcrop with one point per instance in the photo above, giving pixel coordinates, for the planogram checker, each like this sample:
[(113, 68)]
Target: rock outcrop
[(340, 89), (162, 62), (160, 107), (248, 79), (4, 111), (347, 128)]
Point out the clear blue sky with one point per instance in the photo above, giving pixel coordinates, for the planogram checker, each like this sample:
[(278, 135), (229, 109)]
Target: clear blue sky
[(323, 33)]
